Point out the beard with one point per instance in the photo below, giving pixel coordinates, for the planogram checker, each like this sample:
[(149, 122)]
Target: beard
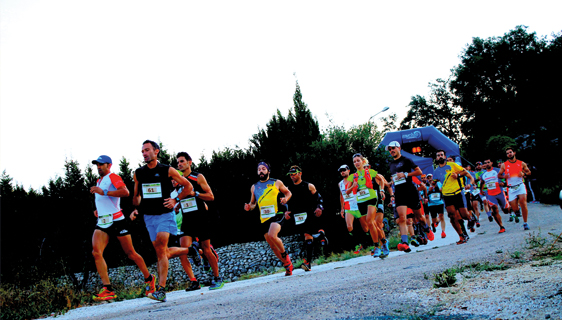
[(511, 157), (441, 161), (263, 176)]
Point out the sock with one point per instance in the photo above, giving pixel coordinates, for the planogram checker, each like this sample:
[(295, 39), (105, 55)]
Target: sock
[(308, 250), (489, 213), (193, 280), (109, 287), (404, 238), (148, 279), (518, 213), (383, 240)]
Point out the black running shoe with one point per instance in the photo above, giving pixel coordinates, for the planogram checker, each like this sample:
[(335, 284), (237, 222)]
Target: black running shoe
[(194, 285)]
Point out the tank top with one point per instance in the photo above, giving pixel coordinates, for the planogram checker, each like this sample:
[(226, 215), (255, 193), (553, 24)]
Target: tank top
[(364, 179), (154, 186), (512, 171), (301, 199), (349, 201), (192, 204), (491, 180), (266, 197)]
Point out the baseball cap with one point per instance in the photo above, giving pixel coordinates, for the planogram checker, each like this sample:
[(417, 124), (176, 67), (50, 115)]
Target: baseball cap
[(294, 169), (343, 166), (393, 144), (102, 160)]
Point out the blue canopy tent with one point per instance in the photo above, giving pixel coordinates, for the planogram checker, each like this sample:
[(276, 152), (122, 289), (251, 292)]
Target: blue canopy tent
[(430, 135)]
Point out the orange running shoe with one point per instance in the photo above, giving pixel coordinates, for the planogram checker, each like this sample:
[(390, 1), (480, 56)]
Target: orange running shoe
[(502, 230), (430, 236), (443, 234), (105, 295), (150, 285)]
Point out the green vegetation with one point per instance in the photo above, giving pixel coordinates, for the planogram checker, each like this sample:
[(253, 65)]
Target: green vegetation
[(448, 278)]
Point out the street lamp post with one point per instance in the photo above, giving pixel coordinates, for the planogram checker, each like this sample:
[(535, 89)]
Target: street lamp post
[(383, 110)]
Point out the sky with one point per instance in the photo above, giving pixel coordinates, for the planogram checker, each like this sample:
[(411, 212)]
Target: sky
[(79, 79)]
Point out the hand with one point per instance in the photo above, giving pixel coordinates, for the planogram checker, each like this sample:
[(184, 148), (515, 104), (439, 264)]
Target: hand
[(97, 190), (425, 200), (467, 187), (287, 215), (318, 212), (170, 203), (341, 213), (283, 200), (247, 207), (521, 174), (400, 175), (134, 214), (383, 196), (454, 175), (96, 213)]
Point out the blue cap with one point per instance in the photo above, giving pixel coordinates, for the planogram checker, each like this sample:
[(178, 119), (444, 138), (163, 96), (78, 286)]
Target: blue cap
[(102, 160)]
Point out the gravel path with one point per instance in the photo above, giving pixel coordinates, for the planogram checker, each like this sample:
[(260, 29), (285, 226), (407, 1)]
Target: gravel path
[(399, 286)]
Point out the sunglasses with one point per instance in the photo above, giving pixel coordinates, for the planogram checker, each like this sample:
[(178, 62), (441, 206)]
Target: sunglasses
[(357, 155)]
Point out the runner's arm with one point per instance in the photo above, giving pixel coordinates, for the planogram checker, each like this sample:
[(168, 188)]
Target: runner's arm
[(279, 184), (525, 169), (187, 188), (136, 198), (502, 171), (250, 206), (208, 193)]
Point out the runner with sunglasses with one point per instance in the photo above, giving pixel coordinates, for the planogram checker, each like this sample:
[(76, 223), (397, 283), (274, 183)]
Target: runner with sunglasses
[(406, 195)]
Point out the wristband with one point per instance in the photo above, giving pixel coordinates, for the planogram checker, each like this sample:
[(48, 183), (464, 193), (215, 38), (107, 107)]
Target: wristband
[(177, 199), (406, 174), (197, 194), (105, 192)]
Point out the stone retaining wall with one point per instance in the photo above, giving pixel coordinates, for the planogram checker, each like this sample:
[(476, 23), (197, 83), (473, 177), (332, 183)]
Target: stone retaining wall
[(235, 260)]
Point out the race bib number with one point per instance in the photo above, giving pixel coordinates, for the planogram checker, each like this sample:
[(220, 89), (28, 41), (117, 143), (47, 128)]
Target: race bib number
[(435, 197), (491, 185), (300, 218), (105, 221), (151, 190), (267, 212), (363, 193), (397, 180), (188, 205), (475, 192)]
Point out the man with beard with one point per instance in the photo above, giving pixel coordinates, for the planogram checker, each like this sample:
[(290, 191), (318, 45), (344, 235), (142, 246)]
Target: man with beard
[(402, 170), (111, 222), (152, 197), (514, 171), (494, 191), (449, 173), (307, 207), (264, 196)]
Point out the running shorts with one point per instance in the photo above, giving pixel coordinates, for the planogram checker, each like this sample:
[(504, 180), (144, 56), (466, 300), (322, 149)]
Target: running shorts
[(435, 210), (165, 222), (278, 218), (516, 190), (364, 206), (118, 228), (457, 200)]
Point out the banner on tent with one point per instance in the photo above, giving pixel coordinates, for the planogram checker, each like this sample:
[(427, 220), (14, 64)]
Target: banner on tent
[(412, 136)]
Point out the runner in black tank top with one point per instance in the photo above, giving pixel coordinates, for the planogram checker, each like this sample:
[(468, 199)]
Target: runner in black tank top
[(306, 207), (197, 222), (152, 194)]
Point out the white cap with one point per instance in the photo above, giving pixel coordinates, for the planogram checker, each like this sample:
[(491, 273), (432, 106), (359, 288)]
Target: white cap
[(393, 144), (343, 166)]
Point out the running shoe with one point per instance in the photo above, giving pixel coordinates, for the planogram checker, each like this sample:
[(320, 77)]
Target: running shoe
[(104, 295), (430, 235), (516, 219), (525, 226), (218, 283), (385, 250), (477, 224), (324, 240), (466, 237), (377, 252), (194, 285), (443, 234), (462, 240), (158, 295), (150, 285), (511, 216), (306, 265), (404, 247), (373, 251), (414, 243), (358, 249), (433, 228), (422, 240), (288, 269), (470, 224), (502, 230), (195, 257), (472, 229), (490, 219)]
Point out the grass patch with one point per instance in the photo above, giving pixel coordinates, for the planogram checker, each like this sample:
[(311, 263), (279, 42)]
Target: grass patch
[(535, 240), (448, 277)]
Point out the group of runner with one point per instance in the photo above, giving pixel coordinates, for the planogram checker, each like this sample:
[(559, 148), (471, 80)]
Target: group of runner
[(174, 205)]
